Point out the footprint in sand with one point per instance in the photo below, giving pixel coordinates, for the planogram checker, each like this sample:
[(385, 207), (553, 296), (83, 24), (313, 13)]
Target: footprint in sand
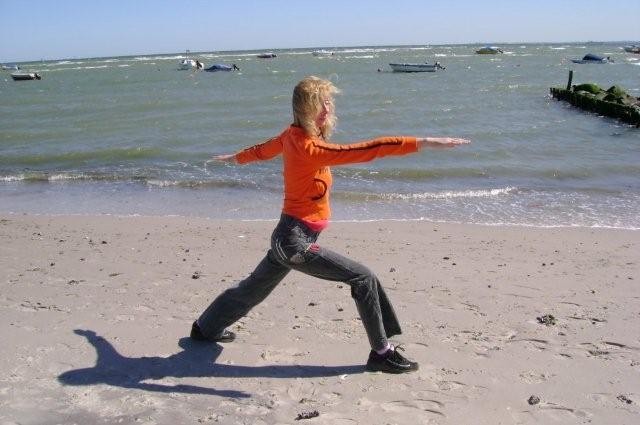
[(450, 385), (539, 344), (605, 399), (412, 407), (532, 377), (446, 385), (144, 308), (558, 412)]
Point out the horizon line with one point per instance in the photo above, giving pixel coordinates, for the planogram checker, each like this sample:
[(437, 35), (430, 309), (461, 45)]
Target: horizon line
[(318, 47)]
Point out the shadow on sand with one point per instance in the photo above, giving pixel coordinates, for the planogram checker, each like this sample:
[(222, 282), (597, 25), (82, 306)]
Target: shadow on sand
[(197, 359)]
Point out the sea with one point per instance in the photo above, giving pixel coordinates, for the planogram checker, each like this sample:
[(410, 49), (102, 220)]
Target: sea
[(133, 135)]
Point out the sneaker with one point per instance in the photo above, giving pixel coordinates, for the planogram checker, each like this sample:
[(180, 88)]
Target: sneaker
[(390, 362), (225, 336)]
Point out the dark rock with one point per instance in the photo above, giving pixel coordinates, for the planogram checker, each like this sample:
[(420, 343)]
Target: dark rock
[(624, 399), (308, 415), (534, 399), (547, 319)]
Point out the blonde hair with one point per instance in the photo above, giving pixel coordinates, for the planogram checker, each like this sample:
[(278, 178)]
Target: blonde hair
[(309, 96)]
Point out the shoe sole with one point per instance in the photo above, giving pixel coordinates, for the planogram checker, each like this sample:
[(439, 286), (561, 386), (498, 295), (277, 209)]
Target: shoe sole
[(384, 370), (227, 336)]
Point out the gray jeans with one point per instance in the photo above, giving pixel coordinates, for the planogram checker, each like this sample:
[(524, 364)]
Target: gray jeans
[(293, 247)]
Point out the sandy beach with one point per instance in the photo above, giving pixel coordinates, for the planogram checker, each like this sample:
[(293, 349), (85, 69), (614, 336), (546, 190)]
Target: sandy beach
[(510, 325)]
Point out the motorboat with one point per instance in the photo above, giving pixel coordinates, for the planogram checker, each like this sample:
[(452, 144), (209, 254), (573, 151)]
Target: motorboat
[(11, 67), (221, 67), (591, 58), (634, 48), (267, 55), (489, 50), (322, 53), (187, 64), (25, 76), (415, 67)]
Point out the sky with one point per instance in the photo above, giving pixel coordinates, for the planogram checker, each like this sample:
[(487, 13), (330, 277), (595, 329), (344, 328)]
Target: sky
[(60, 29)]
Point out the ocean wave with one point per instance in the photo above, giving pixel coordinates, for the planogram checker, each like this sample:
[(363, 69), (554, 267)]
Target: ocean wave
[(154, 58), (452, 194), (76, 68), (203, 184), (360, 57), (35, 177), (369, 50), (82, 157)]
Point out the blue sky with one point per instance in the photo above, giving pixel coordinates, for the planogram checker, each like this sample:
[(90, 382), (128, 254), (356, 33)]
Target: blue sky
[(55, 29)]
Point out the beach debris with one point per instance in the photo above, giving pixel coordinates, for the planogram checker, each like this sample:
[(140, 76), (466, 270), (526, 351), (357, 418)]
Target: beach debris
[(308, 415), (533, 400), (392, 270), (624, 399), (196, 275), (547, 319)]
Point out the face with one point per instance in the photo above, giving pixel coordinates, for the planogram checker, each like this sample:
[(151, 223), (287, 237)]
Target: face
[(325, 111)]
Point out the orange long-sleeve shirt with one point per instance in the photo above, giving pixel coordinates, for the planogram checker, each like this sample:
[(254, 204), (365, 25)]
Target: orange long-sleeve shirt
[(306, 161)]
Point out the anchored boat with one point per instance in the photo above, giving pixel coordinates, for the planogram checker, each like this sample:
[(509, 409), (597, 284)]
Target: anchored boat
[(489, 50), (591, 58), (25, 76), (415, 67)]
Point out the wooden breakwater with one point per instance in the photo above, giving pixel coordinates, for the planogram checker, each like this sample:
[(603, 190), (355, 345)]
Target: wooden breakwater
[(613, 102)]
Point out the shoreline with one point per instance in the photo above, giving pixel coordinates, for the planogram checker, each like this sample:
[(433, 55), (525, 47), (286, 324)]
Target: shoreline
[(331, 222), (96, 312)]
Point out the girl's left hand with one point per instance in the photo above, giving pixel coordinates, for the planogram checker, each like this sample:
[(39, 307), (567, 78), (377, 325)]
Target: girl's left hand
[(442, 142), (229, 158)]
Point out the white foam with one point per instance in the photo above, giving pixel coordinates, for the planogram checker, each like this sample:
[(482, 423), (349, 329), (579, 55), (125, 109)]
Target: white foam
[(453, 194)]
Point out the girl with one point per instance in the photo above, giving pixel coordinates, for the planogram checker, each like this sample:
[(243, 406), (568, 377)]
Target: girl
[(307, 155)]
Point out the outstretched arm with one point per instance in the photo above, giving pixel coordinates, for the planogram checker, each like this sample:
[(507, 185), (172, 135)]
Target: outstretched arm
[(336, 154), (259, 152), (441, 142)]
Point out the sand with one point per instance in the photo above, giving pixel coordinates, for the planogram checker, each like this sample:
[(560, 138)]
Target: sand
[(510, 325)]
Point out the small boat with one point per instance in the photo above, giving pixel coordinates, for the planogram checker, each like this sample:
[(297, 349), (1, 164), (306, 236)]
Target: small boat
[(221, 67), (20, 76), (322, 52), (267, 55), (25, 76), (634, 48), (10, 67), (186, 64), (489, 50), (591, 58), (415, 67)]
